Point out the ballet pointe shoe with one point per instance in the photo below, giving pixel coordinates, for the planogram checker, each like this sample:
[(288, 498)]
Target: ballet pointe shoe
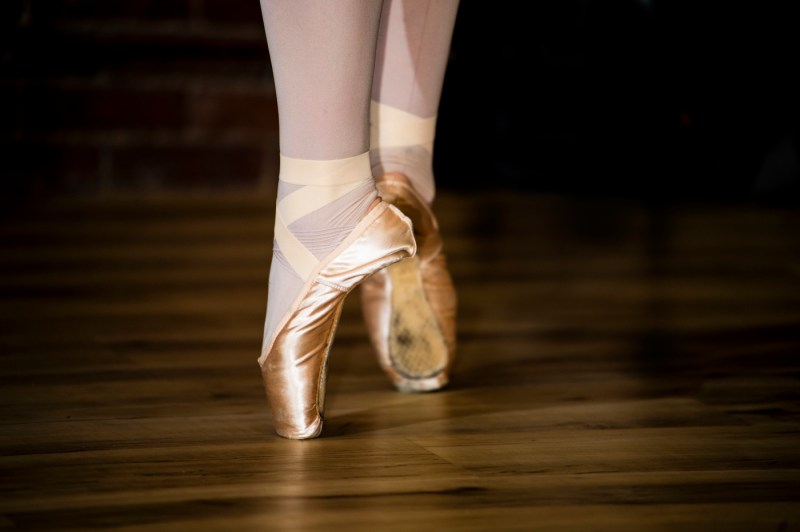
[(410, 307), (294, 363)]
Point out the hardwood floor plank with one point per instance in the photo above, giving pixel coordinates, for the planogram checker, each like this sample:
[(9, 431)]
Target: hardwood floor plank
[(622, 366)]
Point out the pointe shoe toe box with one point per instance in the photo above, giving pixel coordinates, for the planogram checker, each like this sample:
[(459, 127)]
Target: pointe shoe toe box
[(294, 361)]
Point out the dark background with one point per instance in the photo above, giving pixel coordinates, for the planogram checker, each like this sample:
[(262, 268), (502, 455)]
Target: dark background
[(673, 98), (663, 99)]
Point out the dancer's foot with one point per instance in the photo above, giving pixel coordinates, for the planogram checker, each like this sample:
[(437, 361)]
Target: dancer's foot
[(410, 307), (294, 359)]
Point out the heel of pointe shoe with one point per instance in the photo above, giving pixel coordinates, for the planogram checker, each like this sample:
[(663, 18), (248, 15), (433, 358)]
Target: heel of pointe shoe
[(410, 307), (294, 363)]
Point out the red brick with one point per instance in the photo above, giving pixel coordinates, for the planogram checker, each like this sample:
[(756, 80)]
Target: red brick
[(52, 109), (40, 166), (189, 167), (228, 110), (228, 12), (63, 10)]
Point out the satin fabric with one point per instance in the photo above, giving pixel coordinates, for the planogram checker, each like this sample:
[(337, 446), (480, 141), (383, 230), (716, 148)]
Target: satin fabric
[(294, 363), (437, 284)]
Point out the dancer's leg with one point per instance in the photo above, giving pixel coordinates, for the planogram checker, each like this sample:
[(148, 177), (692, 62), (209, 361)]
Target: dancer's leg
[(331, 230), (322, 55), (410, 308), (413, 51)]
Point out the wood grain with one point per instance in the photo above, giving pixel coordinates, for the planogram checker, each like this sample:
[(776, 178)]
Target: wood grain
[(622, 366)]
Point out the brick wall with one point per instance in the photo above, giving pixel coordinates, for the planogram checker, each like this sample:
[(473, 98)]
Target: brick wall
[(107, 96), (580, 96)]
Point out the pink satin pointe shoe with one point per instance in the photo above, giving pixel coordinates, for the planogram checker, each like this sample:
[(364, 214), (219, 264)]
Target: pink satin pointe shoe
[(294, 362), (410, 307)]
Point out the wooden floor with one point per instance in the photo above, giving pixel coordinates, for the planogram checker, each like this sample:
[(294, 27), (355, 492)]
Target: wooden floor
[(621, 367)]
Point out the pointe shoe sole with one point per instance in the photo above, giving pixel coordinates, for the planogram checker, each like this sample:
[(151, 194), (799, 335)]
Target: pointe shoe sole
[(417, 346), (294, 363), (410, 307)]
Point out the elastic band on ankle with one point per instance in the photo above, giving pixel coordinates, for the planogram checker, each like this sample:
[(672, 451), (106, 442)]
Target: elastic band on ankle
[(325, 173), (391, 127), (323, 182)]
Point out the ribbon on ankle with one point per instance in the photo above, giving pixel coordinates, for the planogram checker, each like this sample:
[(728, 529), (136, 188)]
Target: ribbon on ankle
[(391, 127), (322, 182)]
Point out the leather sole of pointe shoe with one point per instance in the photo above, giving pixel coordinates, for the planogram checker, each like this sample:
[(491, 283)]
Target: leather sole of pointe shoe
[(417, 348)]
